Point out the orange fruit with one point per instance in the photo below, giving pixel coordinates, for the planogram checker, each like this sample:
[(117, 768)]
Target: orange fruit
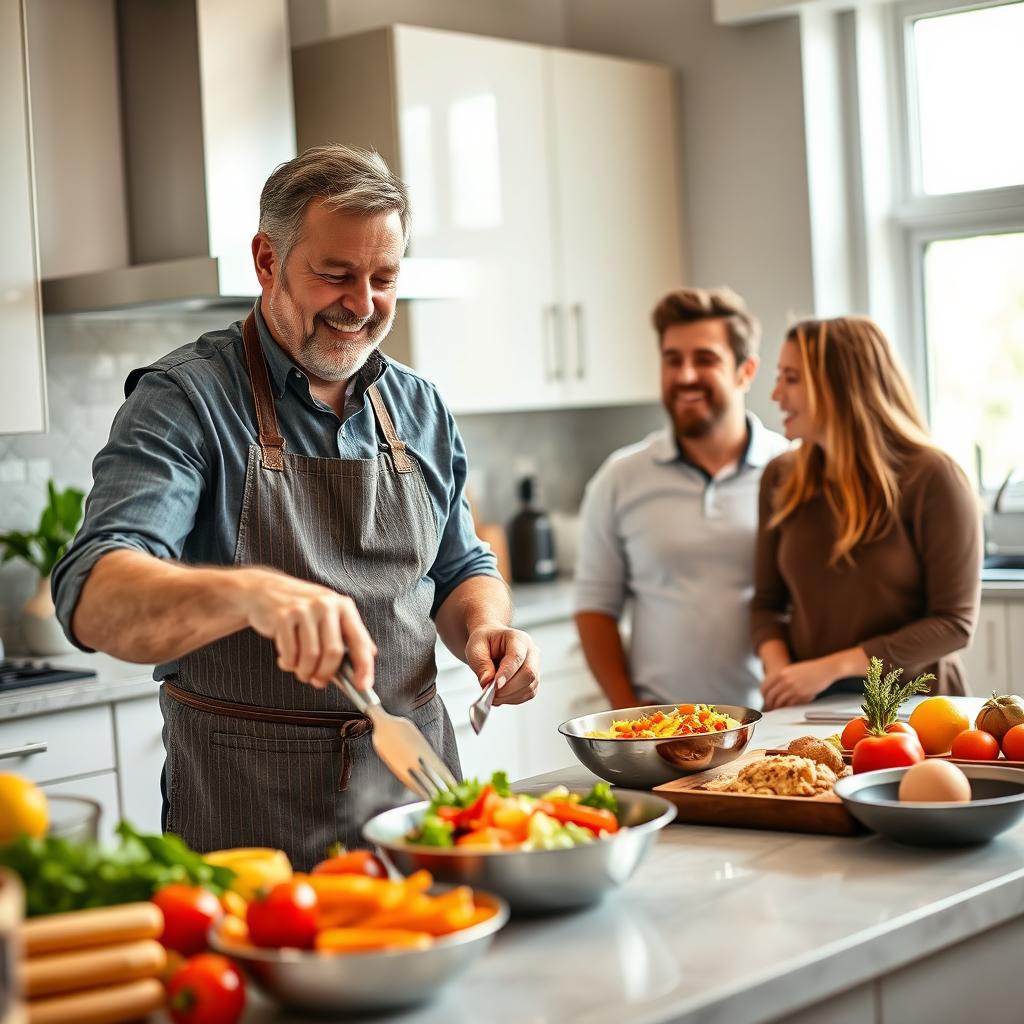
[(22, 808), (938, 721)]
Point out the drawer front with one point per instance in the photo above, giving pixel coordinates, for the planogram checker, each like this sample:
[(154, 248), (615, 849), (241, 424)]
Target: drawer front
[(59, 745)]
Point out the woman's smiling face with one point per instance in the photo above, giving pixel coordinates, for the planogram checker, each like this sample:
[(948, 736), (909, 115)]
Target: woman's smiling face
[(790, 393)]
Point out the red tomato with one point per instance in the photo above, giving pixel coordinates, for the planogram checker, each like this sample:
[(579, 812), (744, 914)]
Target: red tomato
[(286, 916), (189, 911), (206, 990), (975, 745), (894, 750), (1013, 743), (857, 728), (352, 862)]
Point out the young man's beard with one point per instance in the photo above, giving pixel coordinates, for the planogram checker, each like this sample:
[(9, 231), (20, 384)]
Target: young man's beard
[(691, 424)]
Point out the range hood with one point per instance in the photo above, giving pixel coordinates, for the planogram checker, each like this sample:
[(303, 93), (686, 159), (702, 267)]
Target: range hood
[(205, 114)]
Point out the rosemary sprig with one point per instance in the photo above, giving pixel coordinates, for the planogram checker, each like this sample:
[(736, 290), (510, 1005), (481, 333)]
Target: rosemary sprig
[(883, 697)]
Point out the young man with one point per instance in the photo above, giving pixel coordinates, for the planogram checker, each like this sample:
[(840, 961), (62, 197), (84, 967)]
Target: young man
[(278, 494), (670, 522)]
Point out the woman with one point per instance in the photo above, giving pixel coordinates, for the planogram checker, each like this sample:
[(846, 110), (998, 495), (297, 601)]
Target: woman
[(869, 543)]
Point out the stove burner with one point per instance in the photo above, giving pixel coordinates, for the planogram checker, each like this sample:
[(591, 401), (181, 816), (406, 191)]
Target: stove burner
[(18, 673)]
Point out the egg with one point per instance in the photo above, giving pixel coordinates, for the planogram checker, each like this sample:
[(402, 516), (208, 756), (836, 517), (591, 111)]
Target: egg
[(935, 781)]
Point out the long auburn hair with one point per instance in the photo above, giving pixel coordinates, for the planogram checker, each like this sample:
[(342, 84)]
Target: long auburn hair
[(862, 405)]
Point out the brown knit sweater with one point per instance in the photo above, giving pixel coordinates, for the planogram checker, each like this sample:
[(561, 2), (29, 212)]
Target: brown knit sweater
[(910, 598)]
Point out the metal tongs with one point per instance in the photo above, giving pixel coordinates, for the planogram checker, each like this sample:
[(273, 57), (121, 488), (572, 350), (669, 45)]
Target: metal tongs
[(399, 744)]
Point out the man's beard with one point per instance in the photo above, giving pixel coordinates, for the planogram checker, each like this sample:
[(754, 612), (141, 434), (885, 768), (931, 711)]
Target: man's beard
[(692, 424), (333, 359)]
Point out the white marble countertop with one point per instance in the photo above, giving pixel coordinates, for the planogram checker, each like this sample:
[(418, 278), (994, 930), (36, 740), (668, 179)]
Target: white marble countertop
[(730, 926)]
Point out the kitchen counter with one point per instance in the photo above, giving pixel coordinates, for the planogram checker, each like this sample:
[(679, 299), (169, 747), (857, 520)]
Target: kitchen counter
[(734, 925)]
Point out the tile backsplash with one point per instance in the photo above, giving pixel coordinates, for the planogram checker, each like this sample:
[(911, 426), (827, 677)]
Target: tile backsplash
[(88, 358)]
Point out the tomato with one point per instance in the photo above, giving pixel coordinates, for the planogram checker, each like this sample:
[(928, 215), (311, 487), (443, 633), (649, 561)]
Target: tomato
[(353, 862), (1013, 743), (894, 750), (975, 745), (284, 916), (597, 819), (206, 990), (189, 911), (857, 728)]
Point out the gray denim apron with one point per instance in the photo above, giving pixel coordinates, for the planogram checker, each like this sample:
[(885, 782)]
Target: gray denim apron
[(256, 758)]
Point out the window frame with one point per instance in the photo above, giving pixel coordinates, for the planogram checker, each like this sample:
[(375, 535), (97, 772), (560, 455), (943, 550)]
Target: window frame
[(921, 218)]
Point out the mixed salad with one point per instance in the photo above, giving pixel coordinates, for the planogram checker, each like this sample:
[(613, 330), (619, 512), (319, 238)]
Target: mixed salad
[(684, 720), (490, 816)]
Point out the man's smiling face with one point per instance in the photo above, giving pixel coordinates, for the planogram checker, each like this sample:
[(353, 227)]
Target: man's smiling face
[(333, 301)]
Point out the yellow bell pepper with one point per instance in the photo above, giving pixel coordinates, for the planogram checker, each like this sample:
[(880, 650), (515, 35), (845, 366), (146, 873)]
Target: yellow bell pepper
[(255, 868)]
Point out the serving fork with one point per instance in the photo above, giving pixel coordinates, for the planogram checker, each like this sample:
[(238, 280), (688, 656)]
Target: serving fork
[(399, 744), (481, 707)]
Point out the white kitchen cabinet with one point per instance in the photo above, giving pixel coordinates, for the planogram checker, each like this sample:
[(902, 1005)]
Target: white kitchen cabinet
[(61, 745), (138, 726), (1015, 653), (22, 387), (548, 177), (987, 660)]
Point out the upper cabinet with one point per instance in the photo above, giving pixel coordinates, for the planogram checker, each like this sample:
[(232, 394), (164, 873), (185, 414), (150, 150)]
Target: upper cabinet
[(22, 390), (543, 181)]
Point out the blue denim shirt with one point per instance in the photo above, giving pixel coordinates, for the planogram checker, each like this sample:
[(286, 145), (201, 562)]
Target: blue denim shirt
[(169, 481)]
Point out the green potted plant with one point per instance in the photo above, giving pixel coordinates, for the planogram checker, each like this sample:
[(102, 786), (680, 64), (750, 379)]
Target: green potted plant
[(42, 548)]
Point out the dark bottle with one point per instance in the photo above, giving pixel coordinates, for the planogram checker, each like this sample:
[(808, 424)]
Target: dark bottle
[(531, 544)]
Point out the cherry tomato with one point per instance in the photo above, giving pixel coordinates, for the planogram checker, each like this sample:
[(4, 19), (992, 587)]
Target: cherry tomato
[(975, 745), (894, 750), (352, 862), (189, 911), (206, 990), (1013, 743), (284, 916), (902, 727)]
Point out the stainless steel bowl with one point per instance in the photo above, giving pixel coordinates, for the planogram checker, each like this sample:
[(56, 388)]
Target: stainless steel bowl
[(531, 880), (75, 818), (997, 803), (366, 982), (644, 764)]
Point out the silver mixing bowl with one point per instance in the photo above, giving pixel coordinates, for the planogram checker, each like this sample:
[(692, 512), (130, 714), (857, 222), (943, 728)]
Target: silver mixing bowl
[(996, 804), (531, 880), (366, 982), (644, 764)]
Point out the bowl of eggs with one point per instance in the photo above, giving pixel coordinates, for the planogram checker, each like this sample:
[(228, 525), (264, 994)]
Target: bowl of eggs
[(936, 803)]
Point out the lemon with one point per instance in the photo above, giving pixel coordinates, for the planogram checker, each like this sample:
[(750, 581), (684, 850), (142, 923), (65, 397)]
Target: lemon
[(22, 808)]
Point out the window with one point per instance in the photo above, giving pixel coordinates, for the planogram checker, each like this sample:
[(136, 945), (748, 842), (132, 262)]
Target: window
[(961, 211)]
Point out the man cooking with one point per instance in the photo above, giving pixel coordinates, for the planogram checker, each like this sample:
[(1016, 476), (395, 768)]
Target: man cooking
[(277, 494), (670, 522)]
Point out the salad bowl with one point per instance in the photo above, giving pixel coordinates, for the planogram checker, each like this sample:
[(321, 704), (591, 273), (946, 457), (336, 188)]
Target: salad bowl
[(646, 763), (536, 880)]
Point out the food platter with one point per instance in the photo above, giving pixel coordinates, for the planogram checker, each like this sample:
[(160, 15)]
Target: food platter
[(823, 814)]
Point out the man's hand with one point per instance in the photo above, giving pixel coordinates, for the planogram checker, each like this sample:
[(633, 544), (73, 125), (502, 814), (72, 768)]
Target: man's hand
[(311, 626), (508, 655)]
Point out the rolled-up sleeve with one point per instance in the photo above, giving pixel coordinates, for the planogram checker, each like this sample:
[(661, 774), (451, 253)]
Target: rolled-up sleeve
[(601, 564), (461, 554), (148, 481)]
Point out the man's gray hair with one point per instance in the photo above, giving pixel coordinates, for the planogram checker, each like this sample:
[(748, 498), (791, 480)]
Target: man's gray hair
[(344, 178)]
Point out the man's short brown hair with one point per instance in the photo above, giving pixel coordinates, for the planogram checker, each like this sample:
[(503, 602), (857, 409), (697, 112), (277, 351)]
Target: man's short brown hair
[(688, 305)]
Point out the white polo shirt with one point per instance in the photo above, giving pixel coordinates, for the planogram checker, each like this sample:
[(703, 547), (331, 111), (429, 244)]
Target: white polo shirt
[(656, 529)]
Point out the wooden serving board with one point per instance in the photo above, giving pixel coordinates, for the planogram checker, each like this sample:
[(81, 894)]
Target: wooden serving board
[(823, 814)]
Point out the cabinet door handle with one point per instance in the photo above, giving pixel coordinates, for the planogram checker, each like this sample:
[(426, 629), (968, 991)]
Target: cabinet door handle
[(579, 341), (26, 750), (554, 363)]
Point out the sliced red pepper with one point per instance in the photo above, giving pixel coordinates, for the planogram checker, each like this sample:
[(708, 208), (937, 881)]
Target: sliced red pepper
[(597, 819), (474, 810)]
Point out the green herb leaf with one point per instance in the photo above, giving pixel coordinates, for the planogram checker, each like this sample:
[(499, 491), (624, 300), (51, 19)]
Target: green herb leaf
[(601, 796)]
